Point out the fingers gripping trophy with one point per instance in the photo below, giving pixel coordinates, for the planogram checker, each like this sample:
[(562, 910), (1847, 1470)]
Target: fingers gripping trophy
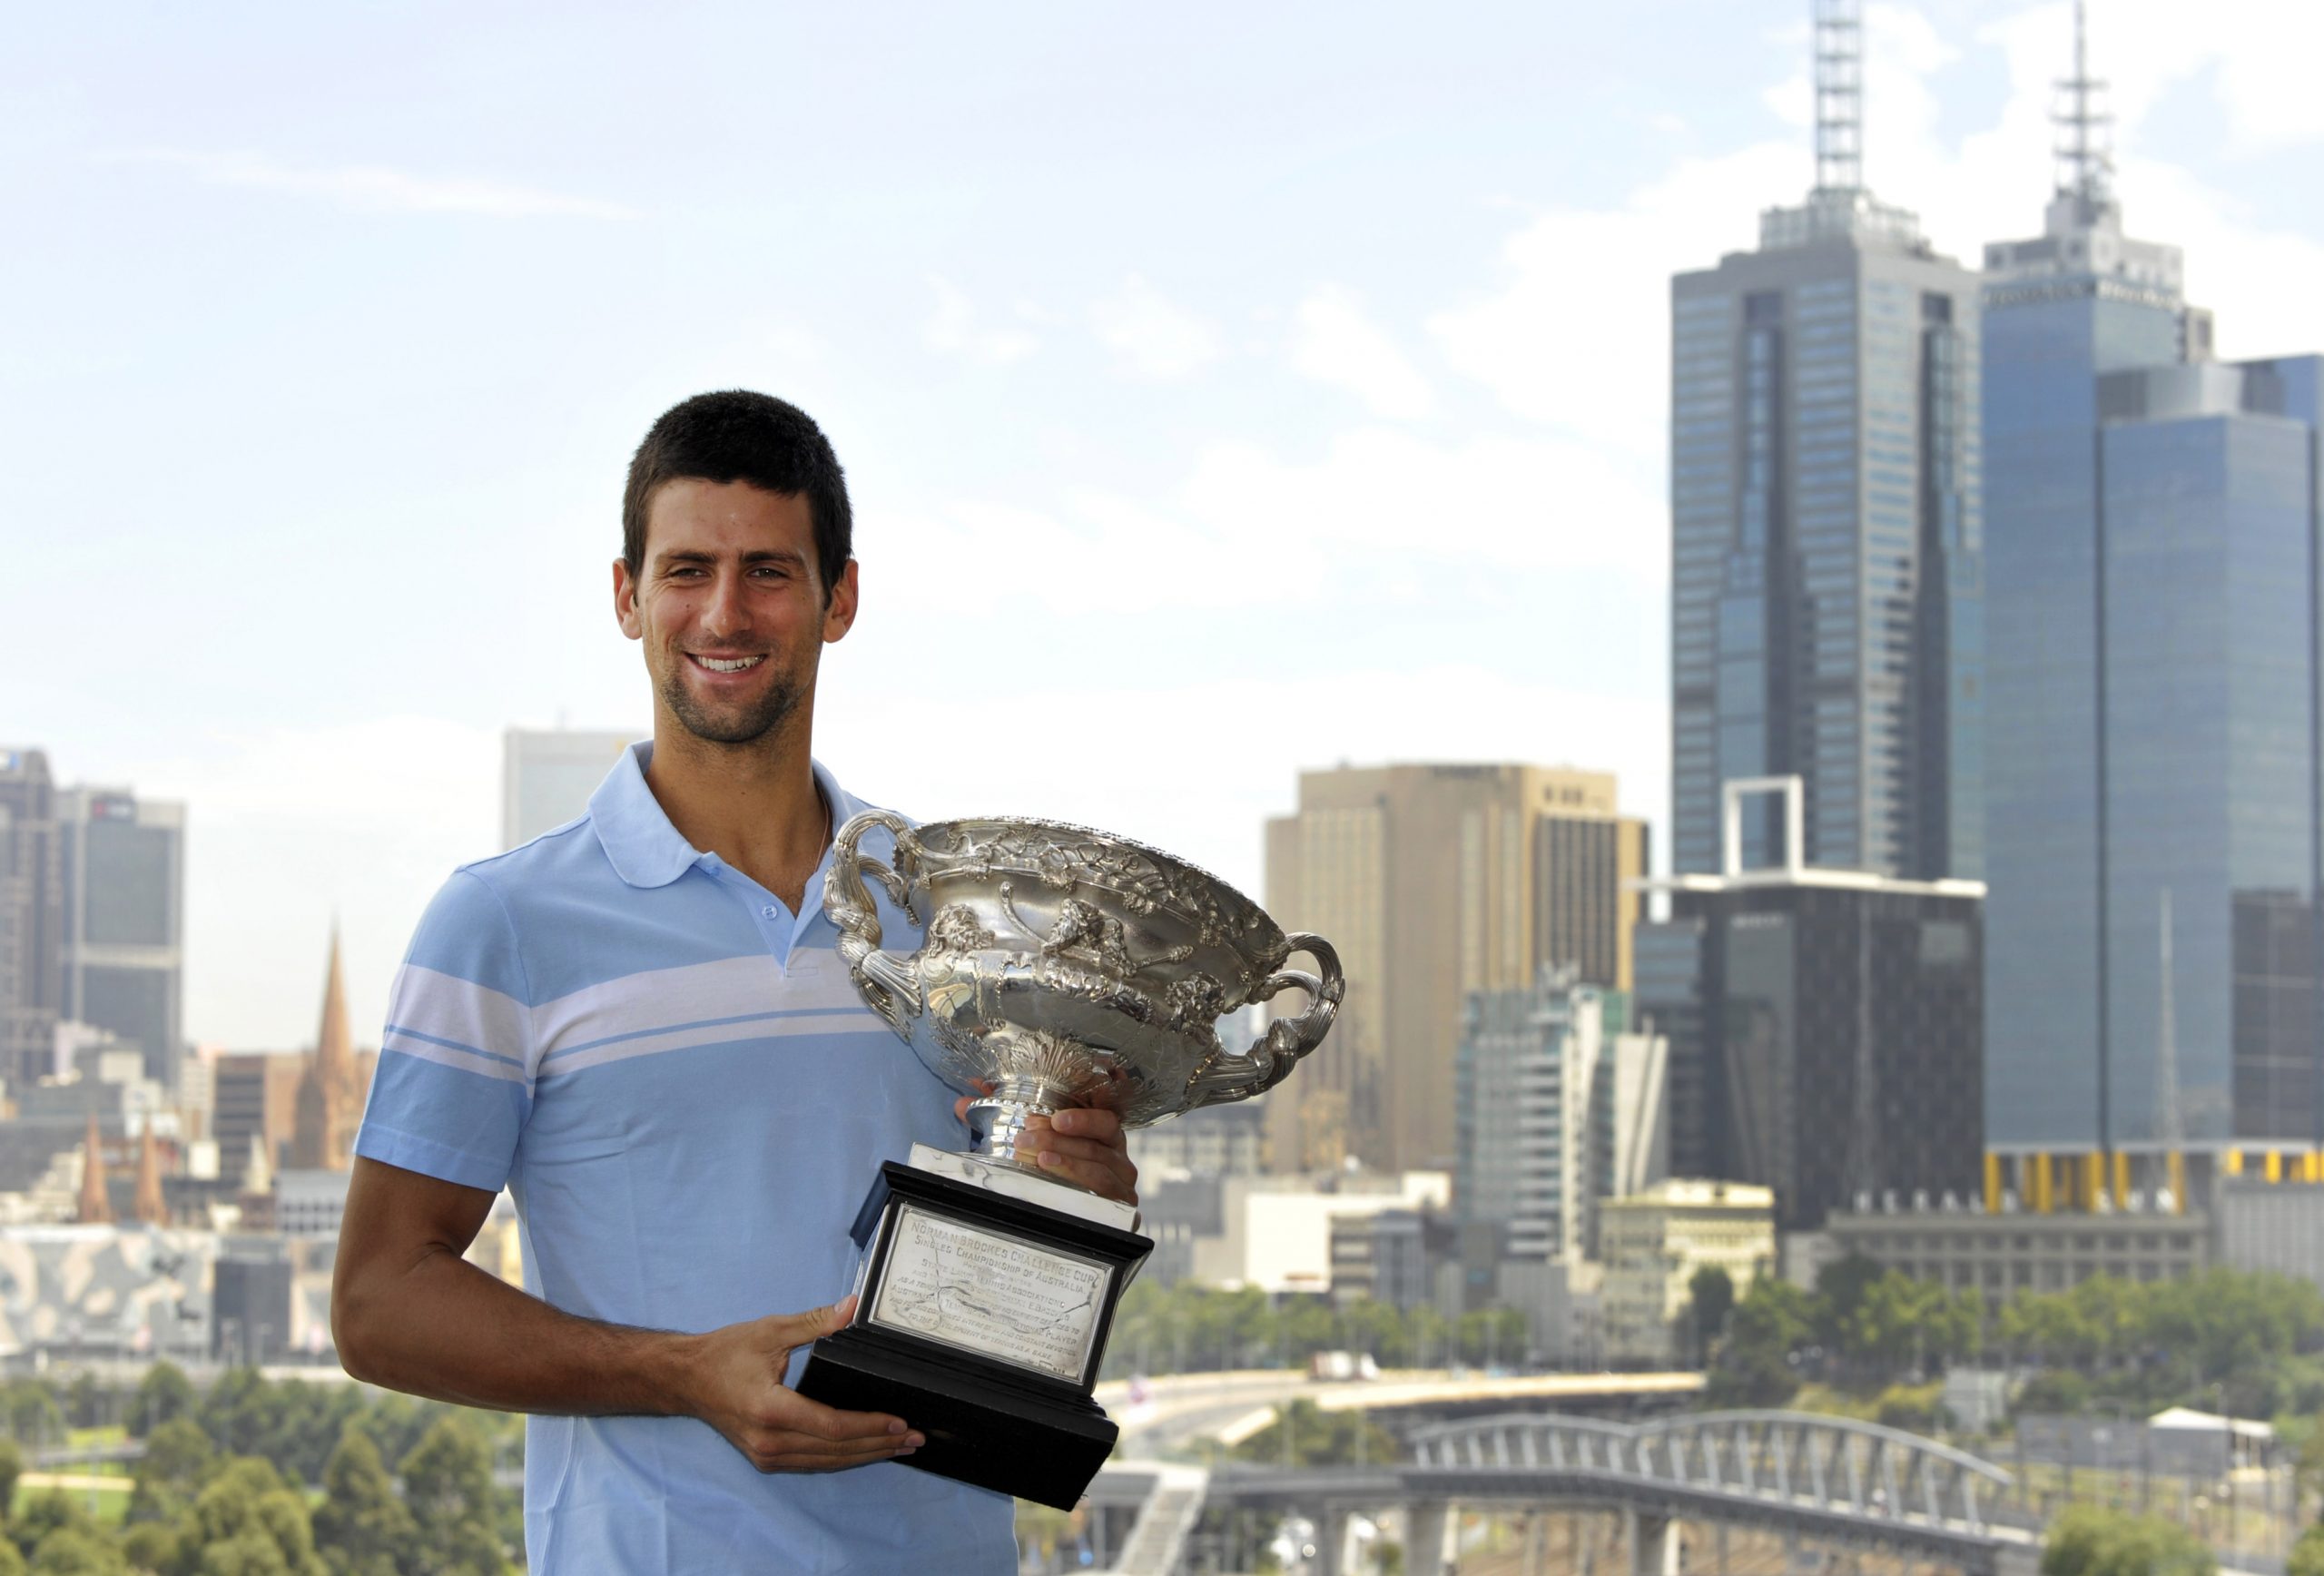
[(1059, 967)]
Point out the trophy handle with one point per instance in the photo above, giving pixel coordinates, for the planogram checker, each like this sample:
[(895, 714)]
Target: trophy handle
[(1287, 1039), (887, 981)]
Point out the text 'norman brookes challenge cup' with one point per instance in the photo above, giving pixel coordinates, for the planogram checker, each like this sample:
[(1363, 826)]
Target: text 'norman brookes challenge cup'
[(1059, 967)]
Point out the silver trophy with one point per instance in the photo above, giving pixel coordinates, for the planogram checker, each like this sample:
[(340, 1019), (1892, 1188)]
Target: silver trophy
[(1063, 967), (1057, 968)]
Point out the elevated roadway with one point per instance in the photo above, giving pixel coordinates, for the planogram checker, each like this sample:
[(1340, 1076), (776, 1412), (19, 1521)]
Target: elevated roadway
[(1184, 1408)]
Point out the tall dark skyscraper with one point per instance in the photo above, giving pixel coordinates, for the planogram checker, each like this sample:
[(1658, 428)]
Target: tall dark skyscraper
[(32, 918), (122, 862), (2153, 787), (1824, 1032), (1827, 559)]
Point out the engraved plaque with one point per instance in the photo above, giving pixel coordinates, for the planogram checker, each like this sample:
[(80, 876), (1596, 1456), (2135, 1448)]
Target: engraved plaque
[(991, 1294)]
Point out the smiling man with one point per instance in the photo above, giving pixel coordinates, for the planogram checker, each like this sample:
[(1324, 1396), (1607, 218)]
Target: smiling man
[(640, 1026)]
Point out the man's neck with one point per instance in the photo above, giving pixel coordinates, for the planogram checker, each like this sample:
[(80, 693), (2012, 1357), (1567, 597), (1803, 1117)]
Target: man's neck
[(757, 806)]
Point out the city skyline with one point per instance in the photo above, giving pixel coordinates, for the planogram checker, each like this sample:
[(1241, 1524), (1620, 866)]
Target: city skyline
[(1062, 357)]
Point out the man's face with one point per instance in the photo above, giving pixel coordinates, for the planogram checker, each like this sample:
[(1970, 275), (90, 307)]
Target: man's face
[(730, 607)]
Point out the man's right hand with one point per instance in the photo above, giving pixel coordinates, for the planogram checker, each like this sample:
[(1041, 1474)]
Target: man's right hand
[(735, 1385)]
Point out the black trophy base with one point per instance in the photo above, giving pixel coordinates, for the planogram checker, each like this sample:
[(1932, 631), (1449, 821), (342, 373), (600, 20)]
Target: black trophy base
[(987, 1421), (991, 1435)]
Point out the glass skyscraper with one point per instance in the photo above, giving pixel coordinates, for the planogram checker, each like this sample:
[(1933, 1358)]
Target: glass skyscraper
[(1826, 583), (123, 866), (2152, 788)]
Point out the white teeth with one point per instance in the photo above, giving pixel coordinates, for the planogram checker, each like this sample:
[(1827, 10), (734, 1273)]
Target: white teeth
[(737, 666)]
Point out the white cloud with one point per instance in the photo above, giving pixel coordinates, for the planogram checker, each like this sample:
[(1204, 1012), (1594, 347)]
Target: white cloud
[(1153, 337), (288, 829), (375, 188), (1373, 510), (955, 330), (1149, 756), (1335, 343), (1578, 336)]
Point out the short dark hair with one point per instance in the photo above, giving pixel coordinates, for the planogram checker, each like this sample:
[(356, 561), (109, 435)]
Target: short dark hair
[(735, 435)]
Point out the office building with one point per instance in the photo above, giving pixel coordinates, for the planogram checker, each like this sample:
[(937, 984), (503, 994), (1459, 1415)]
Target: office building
[(1826, 578), (546, 776), (1834, 1026), (32, 920), (1559, 1108), (1657, 1241), (2001, 1254), (1274, 1233), (122, 862), (1432, 881), (2152, 522), (1227, 1140), (1397, 1256)]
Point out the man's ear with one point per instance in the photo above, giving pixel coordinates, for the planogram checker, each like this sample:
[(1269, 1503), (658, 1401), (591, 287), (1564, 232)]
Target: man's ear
[(625, 600), (839, 612)]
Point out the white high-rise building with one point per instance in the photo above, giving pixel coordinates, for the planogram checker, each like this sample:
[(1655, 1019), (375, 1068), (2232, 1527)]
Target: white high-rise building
[(546, 776), (1560, 1108)]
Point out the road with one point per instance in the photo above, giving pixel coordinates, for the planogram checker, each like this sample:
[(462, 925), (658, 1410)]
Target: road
[(1182, 1408)]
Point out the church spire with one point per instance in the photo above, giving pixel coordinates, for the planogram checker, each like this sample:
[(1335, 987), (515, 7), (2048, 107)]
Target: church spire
[(329, 1102), (151, 1208), (96, 1207)]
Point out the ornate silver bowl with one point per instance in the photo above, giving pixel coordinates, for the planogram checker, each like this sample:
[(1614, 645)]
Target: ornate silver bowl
[(1062, 967)]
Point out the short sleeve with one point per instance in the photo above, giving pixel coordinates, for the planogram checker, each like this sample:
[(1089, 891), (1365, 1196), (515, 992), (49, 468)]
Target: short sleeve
[(454, 1085)]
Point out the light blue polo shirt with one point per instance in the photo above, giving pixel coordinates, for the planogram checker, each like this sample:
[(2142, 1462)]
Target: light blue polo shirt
[(674, 1078)]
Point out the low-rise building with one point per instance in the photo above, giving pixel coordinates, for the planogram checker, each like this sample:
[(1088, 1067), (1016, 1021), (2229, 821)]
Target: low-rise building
[(2003, 1252), (1654, 1242), (1274, 1233), (2272, 1226)]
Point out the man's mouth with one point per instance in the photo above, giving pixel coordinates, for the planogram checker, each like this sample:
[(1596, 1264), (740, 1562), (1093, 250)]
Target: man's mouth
[(727, 664)]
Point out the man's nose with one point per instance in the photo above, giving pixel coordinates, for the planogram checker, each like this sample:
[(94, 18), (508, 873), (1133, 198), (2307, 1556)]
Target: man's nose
[(727, 612)]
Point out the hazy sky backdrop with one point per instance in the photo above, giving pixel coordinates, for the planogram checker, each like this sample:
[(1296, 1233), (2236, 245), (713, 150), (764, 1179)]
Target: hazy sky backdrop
[(1225, 389)]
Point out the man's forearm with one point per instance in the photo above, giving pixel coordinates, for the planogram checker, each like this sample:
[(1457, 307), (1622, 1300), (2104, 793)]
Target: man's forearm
[(445, 1329)]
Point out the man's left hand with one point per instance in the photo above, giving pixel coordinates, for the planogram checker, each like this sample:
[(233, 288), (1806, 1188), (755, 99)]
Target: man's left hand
[(1085, 1146)]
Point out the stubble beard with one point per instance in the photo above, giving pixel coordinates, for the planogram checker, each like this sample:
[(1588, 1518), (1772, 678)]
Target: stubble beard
[(736, 725)]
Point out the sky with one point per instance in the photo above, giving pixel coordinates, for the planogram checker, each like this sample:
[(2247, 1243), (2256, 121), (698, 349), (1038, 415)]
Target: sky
[(1224, 390)]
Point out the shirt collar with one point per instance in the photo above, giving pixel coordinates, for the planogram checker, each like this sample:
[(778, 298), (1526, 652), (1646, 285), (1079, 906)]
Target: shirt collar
[(646, 850)]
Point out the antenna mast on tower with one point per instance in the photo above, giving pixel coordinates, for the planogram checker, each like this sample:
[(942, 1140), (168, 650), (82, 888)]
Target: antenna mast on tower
[(2084, 148), (1840, 97)]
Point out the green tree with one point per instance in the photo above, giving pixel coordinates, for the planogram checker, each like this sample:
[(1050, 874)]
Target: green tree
[(247, 1521), (2306, 1557), (1841, 1286), (363, 1528), (1710, 1294), (84, 1400), (1768, 1329), (163, 1392), (1902, 1325), (1378, 1328), (1319, 1438), (448, 1487), (2091, 1541), (1430, 1336), (12, 1467), (179, 1459), (43, 1513), (33, 1417), (78, 1550)]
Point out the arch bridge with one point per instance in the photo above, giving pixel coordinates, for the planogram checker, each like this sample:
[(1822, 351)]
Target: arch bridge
[(1798, 1474)]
